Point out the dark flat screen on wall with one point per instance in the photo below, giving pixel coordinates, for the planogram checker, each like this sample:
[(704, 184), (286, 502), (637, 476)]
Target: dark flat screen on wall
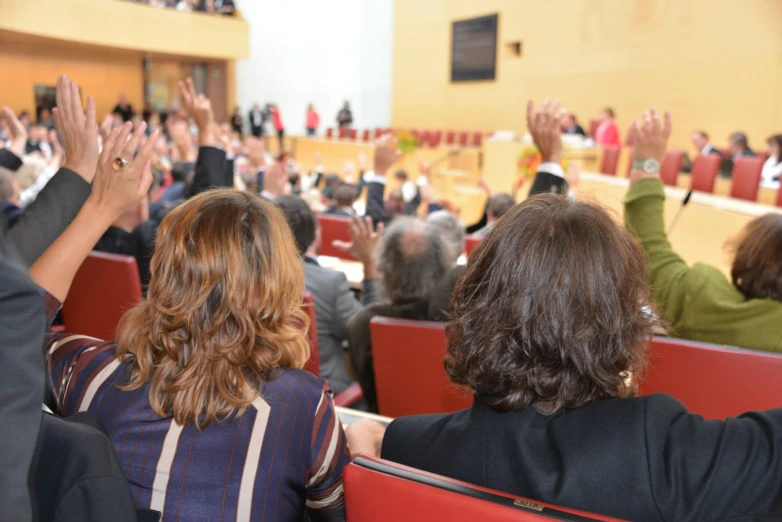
[(474, 49)]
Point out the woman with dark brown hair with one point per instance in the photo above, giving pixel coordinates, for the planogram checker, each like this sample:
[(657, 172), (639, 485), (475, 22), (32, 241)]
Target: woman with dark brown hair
[(549, 327), (203, 395), (698, 301)]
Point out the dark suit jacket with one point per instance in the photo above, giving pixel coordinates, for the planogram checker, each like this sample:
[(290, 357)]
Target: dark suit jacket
[(641, 459), (376, 207), (210, 171), (361, 342), (338, 212), (576, 129)]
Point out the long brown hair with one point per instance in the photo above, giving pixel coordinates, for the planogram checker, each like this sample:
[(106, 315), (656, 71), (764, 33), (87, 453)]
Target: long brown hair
[(223, 309), (553, 310), (757, 267)]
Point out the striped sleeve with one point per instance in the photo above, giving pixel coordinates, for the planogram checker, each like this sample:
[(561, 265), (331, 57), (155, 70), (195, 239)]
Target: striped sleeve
[(77, 366), (328, 458)]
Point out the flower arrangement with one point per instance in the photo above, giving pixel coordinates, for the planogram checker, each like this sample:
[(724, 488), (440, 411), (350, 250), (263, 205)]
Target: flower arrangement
[(529, 160), (406, 142)]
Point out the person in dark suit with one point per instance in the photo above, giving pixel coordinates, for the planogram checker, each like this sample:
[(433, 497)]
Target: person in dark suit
[(257, 118), (335, 303), (549, 329), (412, 258), (739, 146), (344, 197), (123, 108), (702, 143), (570, 125)]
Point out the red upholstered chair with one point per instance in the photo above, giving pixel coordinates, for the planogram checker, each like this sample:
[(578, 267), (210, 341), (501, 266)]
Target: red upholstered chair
[(450, 136), (593, 125), (329, 133), (426, 139), (477, 139), (713, 381), (348, 397), (353, 134), (365, 135), (409, 374), (437, 137), (470, 242), (672, 165), (610, 160), (378, 132), (331, 228), (704, 172), (745, 177), (415, 133), (463, 137), (381, 491), (105, 287)]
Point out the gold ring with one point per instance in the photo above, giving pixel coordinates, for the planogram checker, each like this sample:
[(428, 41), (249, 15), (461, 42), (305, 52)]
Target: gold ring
[(119, 164)]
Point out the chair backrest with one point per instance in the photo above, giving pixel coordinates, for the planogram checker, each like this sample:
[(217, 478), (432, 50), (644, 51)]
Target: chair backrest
[(104, 288), (470, 242), (713, 381), (437, 136), (409, 375), (593, 125), (704, 172), (378, 132), (353, 134), (381, 491), (610, 160), (463, 137), (745, 177), (329, 133), (449, 137), (477, 139), (672, 165), (426, 139), (334, 228), (342, 132), (313, 364), (365, 135)]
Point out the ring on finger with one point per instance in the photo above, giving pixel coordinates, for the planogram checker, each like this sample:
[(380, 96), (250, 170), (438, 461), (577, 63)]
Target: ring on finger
[(119, 164)]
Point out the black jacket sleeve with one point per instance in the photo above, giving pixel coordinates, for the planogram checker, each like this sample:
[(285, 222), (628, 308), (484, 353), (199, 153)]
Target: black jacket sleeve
[(547, 183), (49, 215), (228, 180), (209, 171), (9, 160), (376, 208)]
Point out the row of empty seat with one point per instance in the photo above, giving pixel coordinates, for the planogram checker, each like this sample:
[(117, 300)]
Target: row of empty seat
[(424, 138)]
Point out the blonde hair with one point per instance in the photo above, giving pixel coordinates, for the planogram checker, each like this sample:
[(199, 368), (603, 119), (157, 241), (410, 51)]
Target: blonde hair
[(223, 309), (32, 167)]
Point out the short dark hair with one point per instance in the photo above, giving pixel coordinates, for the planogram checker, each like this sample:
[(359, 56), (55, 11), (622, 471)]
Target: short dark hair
[(345, 195), (777, 140), (301, 219), (757, 267), (499, 204), (401, 175), (702, 134), (739, 138), (553, 310), (610, 111)]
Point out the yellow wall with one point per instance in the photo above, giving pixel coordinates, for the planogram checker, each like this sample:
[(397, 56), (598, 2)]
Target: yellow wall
[(716, 64), (101, 73), (129, 25)]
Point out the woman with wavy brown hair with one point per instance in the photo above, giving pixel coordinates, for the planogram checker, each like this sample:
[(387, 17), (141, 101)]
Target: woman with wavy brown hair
[(549, 326), (202, 394)]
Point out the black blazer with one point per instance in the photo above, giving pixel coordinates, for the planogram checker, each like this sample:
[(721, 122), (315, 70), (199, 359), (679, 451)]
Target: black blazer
[(638, 459)]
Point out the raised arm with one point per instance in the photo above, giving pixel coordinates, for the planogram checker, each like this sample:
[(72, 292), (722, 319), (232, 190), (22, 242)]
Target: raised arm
[(544, 126), (115, 189), (667, 272), (11, 157), (386, 154)]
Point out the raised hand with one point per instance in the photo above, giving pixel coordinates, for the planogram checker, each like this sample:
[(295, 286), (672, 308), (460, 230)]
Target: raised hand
[(17, 131), (363, 242), (544, 126), (117, 187), (199, 108), (651, 136), (386, 154), (105, 126), (77, 130), (256, 152), (183, 141)]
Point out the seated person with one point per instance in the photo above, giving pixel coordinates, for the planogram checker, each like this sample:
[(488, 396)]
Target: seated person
[(739, 146), (700, 140), (344, 197), (497, 205), (699, 302), (549, 329), (772, 168), (570, 125), (412, 258), (205, 374), (334, 301), (452, 232), (607, 134)]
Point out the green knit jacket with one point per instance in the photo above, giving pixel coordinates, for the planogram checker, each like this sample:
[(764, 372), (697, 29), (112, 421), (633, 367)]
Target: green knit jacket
[(699, 302)]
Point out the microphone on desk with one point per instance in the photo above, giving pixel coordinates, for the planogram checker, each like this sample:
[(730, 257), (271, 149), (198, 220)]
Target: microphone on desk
[(679, 213)]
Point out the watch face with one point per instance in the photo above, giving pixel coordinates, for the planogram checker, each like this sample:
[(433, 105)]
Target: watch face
[(651, 166)]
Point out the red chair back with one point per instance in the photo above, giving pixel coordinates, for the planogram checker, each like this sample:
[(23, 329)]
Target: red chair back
[(334, 228), (404, 388), (378, 132), (593, 125), (353, 134), (104, 288), (477, 139), (713, 381), (342, 133), (610, 160), (329, 133), (672, 165), (313, 364), (437, 137), (470, 242), (365, 135), (746, 176), (704, 172), (449, 137), (463, 137), (381, 491), (415, 134)]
